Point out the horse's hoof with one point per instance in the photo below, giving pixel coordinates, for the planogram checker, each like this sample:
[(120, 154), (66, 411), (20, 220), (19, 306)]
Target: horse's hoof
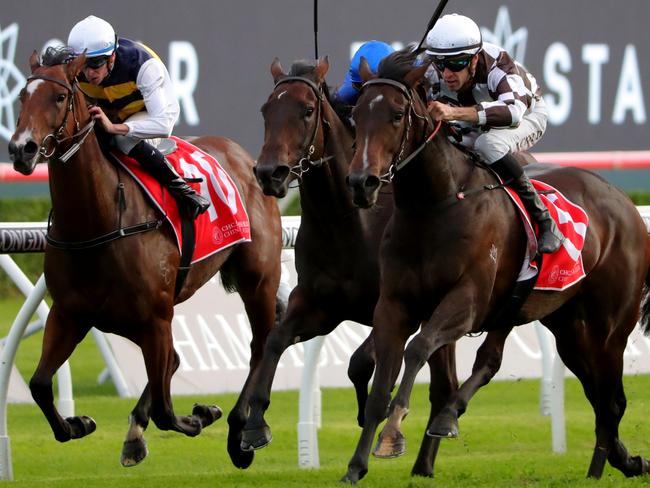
[(81, 426), (390, 447), (207, 414), (253, 439), (133, 452), (240, 459), (445, 425)]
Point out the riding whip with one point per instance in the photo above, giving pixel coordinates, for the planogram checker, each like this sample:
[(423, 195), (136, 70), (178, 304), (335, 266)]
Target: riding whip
[(432, 21), (315, 29)]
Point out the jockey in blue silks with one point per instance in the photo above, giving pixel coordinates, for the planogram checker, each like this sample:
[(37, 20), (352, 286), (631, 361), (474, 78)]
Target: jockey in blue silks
[(374, 52)]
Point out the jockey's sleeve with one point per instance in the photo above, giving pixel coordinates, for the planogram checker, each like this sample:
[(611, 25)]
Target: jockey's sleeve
[(161, 103)]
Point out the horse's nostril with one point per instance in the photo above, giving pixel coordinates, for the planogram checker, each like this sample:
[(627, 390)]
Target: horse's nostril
[(30, 149), (280, 173), (371, 183)]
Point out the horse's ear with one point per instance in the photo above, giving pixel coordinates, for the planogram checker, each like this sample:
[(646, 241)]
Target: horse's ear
[(413, 78), (276, 70), (75, 66), (321, 69), (34, 61), (364, 70)]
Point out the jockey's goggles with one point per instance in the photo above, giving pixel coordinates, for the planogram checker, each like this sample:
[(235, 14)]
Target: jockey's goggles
[(96, 62), (455, 64)]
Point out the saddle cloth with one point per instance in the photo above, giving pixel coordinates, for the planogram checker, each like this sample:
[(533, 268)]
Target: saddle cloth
[(563, 268), (224, 224)]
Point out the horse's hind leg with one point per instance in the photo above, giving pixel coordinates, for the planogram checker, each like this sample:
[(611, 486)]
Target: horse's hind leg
[(59, 341), (486, 365), (444, 382), (134, 449), (597, 360), (362, 365)]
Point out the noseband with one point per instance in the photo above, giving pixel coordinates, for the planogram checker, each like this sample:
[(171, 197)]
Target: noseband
[(398, 163), (305, 163), (56, 135)]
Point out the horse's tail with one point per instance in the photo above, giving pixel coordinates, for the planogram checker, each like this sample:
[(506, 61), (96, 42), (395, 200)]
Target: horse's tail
[(228, 278), (645, 306)]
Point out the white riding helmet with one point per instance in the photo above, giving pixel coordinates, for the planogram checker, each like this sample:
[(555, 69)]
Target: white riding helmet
[(452, 35), (93, 35)]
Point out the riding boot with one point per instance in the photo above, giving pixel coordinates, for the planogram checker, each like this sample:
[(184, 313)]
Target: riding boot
[(550, 237), (155, 163)]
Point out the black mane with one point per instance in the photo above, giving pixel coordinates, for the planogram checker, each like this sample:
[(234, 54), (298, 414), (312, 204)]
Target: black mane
[(54, 56), (397, 65)]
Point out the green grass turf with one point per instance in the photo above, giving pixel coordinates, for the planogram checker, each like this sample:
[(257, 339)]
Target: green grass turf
[(504, 441)]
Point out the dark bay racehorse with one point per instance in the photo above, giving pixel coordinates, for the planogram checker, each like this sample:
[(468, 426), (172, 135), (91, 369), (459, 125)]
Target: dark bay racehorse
[(126, 286), (450, 263), (336, 250)]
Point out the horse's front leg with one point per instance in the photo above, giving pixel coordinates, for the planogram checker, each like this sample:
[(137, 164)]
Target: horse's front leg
[(262, 307), (362, 365), (59, 340), (305, 319), (443, 384), (392, 327), (452, 319), (486, 365)]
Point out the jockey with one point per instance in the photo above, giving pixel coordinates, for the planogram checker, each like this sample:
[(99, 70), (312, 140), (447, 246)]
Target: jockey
[(133, 87), (374, 52), (495, 104)]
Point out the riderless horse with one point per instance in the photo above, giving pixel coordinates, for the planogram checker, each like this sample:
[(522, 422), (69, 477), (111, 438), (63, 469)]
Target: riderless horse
[(115, 262), (452, 252)]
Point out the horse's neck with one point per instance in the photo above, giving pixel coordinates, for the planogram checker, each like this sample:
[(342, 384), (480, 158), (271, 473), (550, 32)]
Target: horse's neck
[(437, 174), (83, 191), (323, 192)]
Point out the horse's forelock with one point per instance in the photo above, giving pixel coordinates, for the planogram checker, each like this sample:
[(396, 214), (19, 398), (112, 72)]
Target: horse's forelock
[(302, 67), (55, 56)]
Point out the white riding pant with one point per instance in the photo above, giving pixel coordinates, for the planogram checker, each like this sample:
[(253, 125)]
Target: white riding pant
[(128, 142), (492, 145)]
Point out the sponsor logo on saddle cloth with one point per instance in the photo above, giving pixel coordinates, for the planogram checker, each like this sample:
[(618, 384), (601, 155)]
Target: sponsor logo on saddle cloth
[(563, 268), (224, 224)]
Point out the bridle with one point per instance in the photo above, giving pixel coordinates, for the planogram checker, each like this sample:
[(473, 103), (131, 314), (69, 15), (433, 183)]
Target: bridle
[(398, 163), (305, 163), (56, 136)]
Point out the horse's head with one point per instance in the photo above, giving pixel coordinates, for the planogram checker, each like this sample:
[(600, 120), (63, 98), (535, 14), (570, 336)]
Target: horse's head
[(292, 125), (389, 117), (45, 114)]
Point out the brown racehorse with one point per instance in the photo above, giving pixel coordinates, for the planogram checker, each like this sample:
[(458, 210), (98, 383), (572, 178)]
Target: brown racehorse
[(450, 264), (337, 248), (127, 286)]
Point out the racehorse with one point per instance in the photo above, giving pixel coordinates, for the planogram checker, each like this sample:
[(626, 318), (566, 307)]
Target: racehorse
[(451, 254), (126, 285), (337, 246)]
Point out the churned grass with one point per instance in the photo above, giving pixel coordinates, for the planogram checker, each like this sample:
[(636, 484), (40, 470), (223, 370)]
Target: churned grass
[(504, 440)]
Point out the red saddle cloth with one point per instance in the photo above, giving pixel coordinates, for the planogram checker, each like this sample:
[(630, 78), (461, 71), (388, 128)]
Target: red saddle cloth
[(224, 224), (563, 268)]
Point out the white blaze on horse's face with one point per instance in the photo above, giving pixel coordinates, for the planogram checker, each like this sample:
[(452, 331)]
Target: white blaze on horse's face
[(375, 101), (280, 95), (22, 138), (32, 86)]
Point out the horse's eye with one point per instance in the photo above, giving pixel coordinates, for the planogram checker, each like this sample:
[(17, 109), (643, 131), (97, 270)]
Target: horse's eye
[(398, 116), (60, 98), (309, 111)]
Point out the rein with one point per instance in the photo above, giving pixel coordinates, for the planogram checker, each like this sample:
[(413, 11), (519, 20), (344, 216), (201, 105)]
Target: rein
[(305, 163), (84, 132)]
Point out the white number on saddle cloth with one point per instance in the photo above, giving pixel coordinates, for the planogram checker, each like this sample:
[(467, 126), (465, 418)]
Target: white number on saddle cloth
[(191, 171)]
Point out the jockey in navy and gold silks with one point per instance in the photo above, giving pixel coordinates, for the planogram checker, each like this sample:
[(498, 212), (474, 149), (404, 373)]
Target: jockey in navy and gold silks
[(136, 102), (118, 95)]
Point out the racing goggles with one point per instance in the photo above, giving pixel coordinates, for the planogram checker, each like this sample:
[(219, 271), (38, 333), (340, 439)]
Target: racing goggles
[(455, 64), (96, 62)]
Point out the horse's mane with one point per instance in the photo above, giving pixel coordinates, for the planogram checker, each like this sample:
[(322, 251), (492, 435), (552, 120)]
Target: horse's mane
[(54, 56), (397, 65)]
